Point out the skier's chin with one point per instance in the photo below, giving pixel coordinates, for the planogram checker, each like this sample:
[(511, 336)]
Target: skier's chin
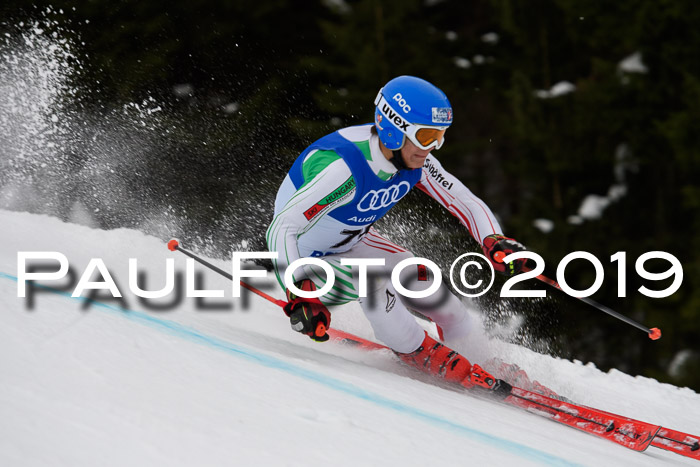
[(413, 156), (416, 161)]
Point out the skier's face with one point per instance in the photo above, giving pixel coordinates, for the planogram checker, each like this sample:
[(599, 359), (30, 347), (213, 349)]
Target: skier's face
[(413, 156)]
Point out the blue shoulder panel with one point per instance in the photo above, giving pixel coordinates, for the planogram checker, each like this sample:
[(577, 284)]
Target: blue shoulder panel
[(374, 196)]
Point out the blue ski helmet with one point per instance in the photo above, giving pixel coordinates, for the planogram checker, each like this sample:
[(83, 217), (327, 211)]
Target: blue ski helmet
[(410, 106)]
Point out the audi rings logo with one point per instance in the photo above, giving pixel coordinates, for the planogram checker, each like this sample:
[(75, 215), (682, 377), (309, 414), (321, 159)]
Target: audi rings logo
[(380, 199)]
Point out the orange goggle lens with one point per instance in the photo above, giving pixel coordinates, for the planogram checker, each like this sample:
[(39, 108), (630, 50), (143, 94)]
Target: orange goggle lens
[(427, 136)]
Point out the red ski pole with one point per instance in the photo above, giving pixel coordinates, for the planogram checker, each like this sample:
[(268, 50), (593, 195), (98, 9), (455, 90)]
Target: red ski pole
[(653, 333), (174, 245)]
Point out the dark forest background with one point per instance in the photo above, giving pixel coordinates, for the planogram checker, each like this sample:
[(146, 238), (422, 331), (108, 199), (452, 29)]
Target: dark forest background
[(244, 86)]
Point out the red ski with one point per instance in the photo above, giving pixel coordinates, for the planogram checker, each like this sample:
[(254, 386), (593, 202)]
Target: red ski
[(681, 443), (632, 434), (676, 441)]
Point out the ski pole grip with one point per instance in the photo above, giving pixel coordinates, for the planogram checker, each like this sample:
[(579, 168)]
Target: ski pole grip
[(173, 245), (499, 255)]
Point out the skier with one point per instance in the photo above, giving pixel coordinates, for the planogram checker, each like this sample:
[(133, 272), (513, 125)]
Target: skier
[(340, 186)]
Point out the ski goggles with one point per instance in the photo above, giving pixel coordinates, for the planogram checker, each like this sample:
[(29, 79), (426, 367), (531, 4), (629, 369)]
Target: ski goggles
[(426, 137), (423, 136)]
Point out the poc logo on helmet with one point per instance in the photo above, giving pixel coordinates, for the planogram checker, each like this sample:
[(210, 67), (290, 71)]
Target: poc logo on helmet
[(402, 102)]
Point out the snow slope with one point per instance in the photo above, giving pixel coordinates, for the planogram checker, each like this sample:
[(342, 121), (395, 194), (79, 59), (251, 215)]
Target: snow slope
[(105, 386)]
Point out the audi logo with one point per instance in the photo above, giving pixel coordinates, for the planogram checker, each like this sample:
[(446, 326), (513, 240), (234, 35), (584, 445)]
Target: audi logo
[(379, 199)]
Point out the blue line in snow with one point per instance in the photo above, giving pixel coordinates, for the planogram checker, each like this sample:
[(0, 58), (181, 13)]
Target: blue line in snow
[(193, 335)]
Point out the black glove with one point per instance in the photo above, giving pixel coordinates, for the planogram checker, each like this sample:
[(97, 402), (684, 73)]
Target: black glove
[(308, 315), (496, 247)]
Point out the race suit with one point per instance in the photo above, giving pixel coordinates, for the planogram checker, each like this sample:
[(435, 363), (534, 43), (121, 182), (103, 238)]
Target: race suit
[(336, 189)]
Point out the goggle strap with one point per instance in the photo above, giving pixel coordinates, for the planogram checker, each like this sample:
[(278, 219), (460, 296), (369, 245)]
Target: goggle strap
[(378, 98)]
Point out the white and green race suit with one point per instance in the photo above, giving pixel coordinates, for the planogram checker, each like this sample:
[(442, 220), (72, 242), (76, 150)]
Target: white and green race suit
[(336, 189)]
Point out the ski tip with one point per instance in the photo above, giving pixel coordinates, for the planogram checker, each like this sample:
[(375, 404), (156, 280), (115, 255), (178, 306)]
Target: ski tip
[(173, 244), (655, 334)]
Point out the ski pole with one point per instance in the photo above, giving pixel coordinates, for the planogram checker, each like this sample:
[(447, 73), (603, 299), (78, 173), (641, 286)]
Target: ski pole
[(653, 333), (174, 245)]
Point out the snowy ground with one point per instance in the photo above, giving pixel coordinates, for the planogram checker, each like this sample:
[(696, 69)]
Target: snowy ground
[(103, 386)]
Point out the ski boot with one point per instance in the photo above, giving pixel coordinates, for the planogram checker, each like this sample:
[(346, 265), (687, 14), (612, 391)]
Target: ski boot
[(481, 378), (439, 360)]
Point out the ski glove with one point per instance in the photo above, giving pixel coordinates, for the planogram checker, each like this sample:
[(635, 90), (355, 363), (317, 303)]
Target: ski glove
[(496, 246), (308, 315)]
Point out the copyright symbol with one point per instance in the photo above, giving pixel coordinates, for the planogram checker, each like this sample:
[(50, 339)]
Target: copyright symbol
[(473, 262)]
